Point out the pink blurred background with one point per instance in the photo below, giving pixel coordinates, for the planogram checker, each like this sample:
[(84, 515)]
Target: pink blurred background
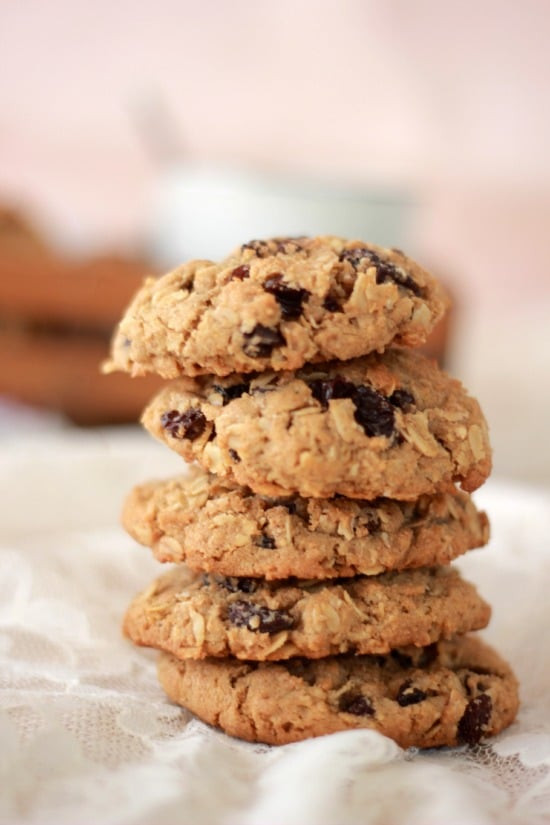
[(445, 102)]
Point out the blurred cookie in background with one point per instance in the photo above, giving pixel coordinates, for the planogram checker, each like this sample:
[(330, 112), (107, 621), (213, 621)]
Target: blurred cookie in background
[(56, 317), (18, 236)]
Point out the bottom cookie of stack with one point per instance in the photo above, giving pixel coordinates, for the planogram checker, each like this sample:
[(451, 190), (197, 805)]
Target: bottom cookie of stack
[(449, 693)]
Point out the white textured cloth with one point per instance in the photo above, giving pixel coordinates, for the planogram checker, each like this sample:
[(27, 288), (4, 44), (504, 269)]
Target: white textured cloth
[(86, 735)]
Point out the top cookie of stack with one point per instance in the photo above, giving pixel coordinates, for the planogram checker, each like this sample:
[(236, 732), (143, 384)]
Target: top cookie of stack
[(277, 305)]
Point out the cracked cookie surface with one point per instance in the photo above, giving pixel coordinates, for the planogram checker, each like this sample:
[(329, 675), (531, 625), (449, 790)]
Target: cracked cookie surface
[(277, 304), (391, 425), (216, 526), (451, 693), (198, 616)]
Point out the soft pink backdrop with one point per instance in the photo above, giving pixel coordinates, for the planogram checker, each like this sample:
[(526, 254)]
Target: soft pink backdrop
[(450, 95), (448, 98)]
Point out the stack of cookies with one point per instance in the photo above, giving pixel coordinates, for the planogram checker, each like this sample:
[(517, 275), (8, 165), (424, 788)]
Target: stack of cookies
[(312, 590)]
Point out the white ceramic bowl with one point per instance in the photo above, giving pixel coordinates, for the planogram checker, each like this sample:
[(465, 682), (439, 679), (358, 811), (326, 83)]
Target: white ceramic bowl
[(204, 212)]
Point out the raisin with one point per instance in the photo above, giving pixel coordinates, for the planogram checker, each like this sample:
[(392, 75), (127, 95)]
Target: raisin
[(230, 393), (189, 424), (332, 304), (289, 244), (187, 282), (289, 298), (373, 412), (256, 617), (355, 703), (234, 455), (324, 391), (262, 341), (385, 270), (356, 255), (260, 248), (267, 542), (236, 584), (475, 719), (402, 399), (240, 273), (409, 695), (213, 433)]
